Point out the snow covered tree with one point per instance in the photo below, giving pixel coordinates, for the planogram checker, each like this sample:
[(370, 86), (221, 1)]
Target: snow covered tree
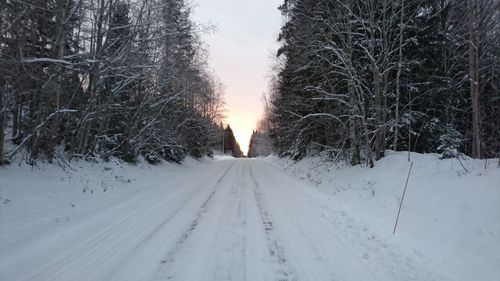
[(358, 77), (260, 144), (230, 143), (102, 78), (450, 141)]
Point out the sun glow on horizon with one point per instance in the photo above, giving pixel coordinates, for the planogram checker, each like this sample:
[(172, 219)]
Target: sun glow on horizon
[(242, 125)]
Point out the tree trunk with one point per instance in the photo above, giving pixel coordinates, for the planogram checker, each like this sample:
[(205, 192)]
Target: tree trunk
[(16, 127), (379, 144), (60, 42), (354, 146), (398, 77), (474, 66), (2, 119), (3, 107)]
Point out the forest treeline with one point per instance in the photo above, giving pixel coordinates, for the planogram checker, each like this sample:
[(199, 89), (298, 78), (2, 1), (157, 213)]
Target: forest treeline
[(260, 143), (356, 77), (230, 145), (102, 78)]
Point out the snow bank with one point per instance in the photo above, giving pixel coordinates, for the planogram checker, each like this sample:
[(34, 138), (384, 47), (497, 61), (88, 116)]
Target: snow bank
[(219, 156), (223, 157), (451, 213), (34, 200)]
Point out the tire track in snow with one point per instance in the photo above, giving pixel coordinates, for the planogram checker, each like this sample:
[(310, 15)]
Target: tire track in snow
[(230, 264), (163, 271), (333, 260), (274, 246), (242, 223), (111, 239), (97, 246)]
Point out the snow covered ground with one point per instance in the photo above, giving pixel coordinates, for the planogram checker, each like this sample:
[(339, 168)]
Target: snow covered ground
[(450, 217), (250, 219)]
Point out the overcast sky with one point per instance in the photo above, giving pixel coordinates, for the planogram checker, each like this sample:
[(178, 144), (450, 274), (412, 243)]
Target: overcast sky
[(241, 52)]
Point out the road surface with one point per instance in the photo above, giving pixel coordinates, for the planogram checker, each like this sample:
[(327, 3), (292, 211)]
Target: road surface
[(229, 220)]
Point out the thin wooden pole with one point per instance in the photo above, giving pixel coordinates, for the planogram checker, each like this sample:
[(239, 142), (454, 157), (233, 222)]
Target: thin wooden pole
[(402, 198)]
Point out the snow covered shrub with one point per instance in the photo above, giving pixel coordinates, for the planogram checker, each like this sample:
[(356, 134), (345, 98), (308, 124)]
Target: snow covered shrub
[(450, 140), (153, 158)]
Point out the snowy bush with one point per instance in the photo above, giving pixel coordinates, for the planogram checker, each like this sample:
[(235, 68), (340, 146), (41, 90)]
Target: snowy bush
[(450, 141)]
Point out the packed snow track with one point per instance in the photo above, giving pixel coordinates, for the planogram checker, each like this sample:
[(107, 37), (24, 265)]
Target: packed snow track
[(227, 220)]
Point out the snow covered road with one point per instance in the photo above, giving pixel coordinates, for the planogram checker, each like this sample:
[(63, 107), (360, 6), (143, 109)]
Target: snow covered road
[(227, 220)]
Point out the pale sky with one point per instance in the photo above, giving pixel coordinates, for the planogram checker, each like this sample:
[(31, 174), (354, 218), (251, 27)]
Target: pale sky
[(241, 53)]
